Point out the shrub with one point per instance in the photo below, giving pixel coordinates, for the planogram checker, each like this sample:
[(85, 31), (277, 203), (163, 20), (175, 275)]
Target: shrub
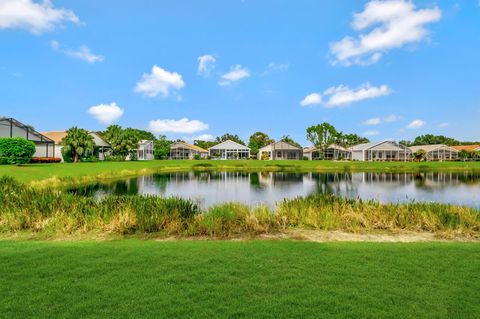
[(36, 160), (196, 157), (16, 150)]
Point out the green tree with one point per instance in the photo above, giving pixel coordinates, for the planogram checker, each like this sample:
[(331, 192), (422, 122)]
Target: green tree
[(420, 155), (162, 147), (464, 155), (124, 142), (257, 141), (322, 136), (349, 140), (204, 144), (430, 139), (78, 142), (16, 150), (228, 136), (289, 140)]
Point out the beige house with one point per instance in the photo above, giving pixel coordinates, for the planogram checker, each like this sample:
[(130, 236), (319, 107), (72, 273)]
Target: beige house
[(280, 151), (182, 150), (333, 152), (381, 151), (229, 150), (102, 148), (438, 152)]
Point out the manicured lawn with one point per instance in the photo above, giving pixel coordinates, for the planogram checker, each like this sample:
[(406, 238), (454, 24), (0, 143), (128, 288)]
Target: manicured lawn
[(91, 171), (252, 279)]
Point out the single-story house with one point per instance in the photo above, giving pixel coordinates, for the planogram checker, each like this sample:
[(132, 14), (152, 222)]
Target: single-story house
[(229, 150), (145, 150), (381, 151), (468, 148), (182, 150), (333, 152), (101, 150), (437, 152), (280, 150), (10, 128)]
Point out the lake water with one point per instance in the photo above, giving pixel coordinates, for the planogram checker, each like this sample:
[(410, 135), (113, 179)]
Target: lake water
[(209, 188)]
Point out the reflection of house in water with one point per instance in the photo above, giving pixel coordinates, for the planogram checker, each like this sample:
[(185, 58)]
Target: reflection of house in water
[(279, 179)]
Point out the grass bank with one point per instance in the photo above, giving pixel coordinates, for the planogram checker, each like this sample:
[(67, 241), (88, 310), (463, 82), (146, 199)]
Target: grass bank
[(68, 173), (246, 279), (47, 213)]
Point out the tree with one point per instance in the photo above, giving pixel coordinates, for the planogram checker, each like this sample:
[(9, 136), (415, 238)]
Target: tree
[(16, 150), (78, 142), (322, 136), (405, 143), (420, 155), (430, 139), (123, 141), (257, 141), (349, 140), (289, 140), (228, 136), (162, 147), (204, 144), (464, 155)]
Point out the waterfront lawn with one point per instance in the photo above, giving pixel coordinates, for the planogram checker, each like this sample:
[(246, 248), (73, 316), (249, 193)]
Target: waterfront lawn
[(242, 279), (103, 170)]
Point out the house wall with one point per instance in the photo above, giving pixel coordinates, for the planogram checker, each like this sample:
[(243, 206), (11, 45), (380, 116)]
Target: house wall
[(357, 156)]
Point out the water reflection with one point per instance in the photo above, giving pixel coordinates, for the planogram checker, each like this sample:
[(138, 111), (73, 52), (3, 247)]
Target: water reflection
[(209, 188)]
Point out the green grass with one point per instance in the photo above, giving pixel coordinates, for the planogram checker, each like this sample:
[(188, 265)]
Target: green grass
[(43, 212), (252, 279), (68, 172)]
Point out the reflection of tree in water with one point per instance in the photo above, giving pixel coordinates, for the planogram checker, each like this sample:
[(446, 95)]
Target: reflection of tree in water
[(255, 180), (331, 183)]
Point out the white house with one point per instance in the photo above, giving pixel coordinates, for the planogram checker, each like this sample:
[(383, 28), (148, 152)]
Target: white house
[(333, 152), (280, 151), (438, 152), (10, 128), (145, 150), (381, 151), (229, 150)]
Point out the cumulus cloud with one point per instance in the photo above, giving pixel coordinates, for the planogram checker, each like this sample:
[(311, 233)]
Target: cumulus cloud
[(206, 63), (416, 124), (183, 125), (83, 53), (237, 72), (160, 82), (36, 18), (343, 95), (106, 113), (274, 67), (311, 99), (382, 26), (204, 137), (373, 121)]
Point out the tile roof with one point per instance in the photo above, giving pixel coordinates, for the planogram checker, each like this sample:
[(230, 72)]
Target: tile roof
[(467, 147)]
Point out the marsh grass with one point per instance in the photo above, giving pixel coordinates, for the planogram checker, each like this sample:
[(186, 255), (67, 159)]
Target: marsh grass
[(51, 212)]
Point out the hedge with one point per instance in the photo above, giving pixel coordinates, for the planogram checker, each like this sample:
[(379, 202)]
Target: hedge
[(16, 150)]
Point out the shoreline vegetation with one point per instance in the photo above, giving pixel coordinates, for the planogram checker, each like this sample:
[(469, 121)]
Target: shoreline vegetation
[(46, 213), (69, 174)]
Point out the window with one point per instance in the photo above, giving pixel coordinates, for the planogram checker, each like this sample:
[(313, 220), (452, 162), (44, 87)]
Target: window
[(279, 154)]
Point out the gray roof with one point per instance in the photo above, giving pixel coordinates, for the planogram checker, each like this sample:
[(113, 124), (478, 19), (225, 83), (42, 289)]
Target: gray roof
[(367, 146)]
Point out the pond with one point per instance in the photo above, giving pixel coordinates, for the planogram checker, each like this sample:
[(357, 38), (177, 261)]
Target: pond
[(269, 188)]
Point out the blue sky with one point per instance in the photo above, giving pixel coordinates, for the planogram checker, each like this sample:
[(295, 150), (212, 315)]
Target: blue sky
[(384, 69)]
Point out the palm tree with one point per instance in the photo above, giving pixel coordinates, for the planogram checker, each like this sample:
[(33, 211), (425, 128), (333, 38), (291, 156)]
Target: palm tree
[(420, 155), (78, 142)]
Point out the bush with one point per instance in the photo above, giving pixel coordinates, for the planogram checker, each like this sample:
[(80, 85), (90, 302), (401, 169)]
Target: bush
[(196, 157), (16, 150), (37, 160)]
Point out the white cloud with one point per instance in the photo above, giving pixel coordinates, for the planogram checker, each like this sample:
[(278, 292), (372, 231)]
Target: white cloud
[(373, 121), (206, 63), (392, 118), (36, 18), (204, 137), (386, 25), (343, 95), (237, 72), (83, 53), (443, 125), (371, 133), (273, 67), (160, 82), (106, 113), (415, 124), (183, 125), (311, 99)]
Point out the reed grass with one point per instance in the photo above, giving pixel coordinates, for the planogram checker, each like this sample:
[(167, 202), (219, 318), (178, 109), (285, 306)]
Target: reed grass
[(54, 213)]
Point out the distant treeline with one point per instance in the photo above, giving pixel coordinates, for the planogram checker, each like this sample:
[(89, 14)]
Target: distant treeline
[(430, 139)]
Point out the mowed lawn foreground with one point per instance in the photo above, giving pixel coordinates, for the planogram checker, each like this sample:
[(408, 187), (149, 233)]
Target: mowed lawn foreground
[(238, 279), (104, 170)]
